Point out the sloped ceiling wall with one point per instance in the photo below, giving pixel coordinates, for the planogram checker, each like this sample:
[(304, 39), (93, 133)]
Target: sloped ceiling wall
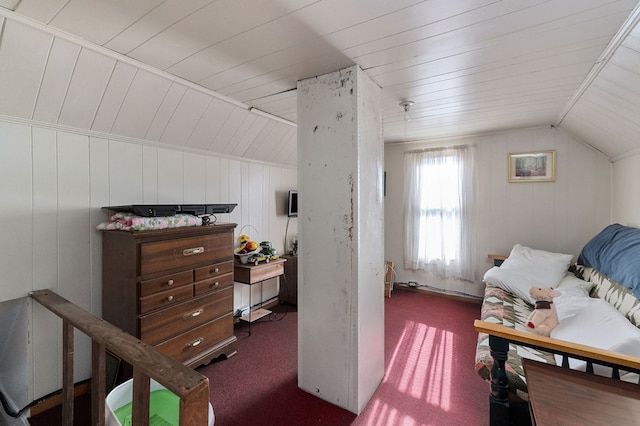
[(68, 82), (473, 67), (607, 114)]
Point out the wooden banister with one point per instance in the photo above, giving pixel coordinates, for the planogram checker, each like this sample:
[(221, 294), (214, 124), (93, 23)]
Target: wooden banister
[(190, 386)]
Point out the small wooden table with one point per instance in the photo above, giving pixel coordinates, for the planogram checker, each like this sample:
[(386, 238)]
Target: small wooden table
[(559, 396), (251, 274)]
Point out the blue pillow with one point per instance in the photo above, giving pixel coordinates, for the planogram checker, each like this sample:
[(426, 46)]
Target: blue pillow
[(615, 252)]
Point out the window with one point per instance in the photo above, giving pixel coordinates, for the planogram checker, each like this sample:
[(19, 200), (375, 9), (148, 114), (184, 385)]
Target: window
[(439, 212)]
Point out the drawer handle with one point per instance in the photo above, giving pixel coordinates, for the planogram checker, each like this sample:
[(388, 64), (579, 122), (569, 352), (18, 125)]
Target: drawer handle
[(194, 343), (215, 285), (170, 282), (193, 314), (216, 270), (192, 251), (169, 299)]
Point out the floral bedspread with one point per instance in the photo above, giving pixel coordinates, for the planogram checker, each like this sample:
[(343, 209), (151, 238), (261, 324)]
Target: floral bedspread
[(501, 307), (131, 222)]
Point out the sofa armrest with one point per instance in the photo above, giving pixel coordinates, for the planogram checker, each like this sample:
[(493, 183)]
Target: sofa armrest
[(499, 339)]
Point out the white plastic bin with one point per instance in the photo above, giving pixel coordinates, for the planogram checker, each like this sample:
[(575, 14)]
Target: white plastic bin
[(121, 395)]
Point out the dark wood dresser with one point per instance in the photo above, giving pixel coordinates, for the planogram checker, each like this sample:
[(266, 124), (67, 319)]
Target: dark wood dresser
[(172, 289)]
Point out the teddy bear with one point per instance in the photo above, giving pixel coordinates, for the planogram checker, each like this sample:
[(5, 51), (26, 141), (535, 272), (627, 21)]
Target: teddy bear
[(544, 317)]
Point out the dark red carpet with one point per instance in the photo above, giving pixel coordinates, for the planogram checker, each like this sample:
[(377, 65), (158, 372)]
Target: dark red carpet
[(429, 371)]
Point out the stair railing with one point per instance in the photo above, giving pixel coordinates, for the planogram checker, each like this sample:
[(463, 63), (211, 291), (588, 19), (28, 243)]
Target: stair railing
[(190, 386)]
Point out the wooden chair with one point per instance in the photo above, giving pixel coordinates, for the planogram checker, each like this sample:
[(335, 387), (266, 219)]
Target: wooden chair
[(388, 279)]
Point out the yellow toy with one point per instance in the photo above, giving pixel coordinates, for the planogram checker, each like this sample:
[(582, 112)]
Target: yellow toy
[(246, 245)]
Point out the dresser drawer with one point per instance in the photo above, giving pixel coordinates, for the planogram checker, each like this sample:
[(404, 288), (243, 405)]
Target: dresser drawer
[(213, 284), (214, 270), (195, 341), (164, 255), (167, 282), (159, 326), (166, 298)]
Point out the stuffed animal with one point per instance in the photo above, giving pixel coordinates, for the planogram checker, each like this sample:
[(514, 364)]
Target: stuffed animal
[(544, 317)]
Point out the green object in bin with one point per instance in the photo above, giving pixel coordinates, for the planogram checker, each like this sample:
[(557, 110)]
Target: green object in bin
[(164, 410)]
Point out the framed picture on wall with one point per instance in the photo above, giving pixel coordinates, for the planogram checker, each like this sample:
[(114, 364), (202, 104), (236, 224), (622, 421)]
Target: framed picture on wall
[(535, 166)]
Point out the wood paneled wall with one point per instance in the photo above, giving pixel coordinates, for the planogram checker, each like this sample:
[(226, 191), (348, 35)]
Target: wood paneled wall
[(53, 184), (558, 216)]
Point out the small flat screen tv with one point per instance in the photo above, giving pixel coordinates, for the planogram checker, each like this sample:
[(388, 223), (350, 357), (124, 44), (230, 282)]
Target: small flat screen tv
[(292, 205)]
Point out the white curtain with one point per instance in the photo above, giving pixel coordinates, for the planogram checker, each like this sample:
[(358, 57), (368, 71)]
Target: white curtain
[(439, 215)]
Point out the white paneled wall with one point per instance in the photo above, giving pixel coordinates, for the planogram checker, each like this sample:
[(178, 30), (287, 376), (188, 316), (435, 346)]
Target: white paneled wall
[(53, 183), (626, 187), (558, 216)]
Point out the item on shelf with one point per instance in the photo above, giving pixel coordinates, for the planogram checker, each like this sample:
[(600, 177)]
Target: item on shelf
[(246, 248)]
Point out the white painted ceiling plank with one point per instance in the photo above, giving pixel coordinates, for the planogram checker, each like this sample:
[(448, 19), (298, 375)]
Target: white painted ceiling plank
[(119, 84), (290, 71), (167, 107), (611, 98), (486, 38), (287, 141), (229, 129), (421, 15), (42, 11), (163, 16), (88, 83), (185, 118), (621, 133), (20, 74), (619, 82), (55, 83), (246, 142), (281, 60), (263, 40), (468, 63), (98, 21), (210, 124), (214, 23), (140, 105), (263, 141), (240, 132)]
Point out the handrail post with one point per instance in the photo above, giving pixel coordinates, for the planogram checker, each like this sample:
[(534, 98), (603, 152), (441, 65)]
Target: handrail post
[(191, 387), (98, 382), (67, 373), (190, 414), (140, 398)]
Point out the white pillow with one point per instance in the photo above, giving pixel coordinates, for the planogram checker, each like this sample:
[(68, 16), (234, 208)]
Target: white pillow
[(570, 280), (599, 325), (526, 267), (544, 268), (510, 281)]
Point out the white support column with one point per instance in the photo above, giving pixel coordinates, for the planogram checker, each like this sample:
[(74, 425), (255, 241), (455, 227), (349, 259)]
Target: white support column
[(341, 237)]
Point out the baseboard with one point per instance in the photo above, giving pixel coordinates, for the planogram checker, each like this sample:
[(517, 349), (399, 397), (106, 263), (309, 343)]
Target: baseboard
[(457, 297), (55, 399)]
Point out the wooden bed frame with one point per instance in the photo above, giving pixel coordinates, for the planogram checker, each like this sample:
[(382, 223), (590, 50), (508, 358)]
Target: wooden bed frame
[(499, 339)]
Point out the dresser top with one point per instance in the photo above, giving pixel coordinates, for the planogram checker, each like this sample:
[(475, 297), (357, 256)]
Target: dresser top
[(185, 231)]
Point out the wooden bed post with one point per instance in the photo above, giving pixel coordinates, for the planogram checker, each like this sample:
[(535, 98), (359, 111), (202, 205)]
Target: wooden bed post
[(499, 397)]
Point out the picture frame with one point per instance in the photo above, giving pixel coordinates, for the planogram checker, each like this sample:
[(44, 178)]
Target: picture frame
[(532, 166)]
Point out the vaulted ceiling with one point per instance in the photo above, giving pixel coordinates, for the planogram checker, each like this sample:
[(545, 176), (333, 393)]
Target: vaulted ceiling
[(187, 73)]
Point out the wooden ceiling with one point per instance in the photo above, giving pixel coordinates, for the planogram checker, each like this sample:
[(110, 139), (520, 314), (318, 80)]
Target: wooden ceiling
[(187, 72)]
